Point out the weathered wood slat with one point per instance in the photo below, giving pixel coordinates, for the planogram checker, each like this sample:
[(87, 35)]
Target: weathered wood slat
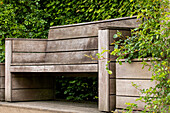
[(80, 74), (28, 57), (133, 70), (113, 69), (56, 68), (124, 86), (2, 69), (103, 42), (29, 45), (120, 102), (112, 102), (88, 30), (8, 55), (32, 94), (113, 86), (2, 94), (2, 82), (71, 57), (30, 81), (57, 58), (73, 44)]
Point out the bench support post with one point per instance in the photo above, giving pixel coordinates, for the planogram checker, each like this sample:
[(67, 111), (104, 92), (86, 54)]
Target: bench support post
[(103, 44), (8, 77)]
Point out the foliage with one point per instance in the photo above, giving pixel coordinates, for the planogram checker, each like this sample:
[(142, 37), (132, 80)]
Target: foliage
[(77, 88), (21, 19), (150, 40)]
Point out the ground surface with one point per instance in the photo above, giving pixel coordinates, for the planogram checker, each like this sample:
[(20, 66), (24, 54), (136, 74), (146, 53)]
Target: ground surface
[(48, 107)]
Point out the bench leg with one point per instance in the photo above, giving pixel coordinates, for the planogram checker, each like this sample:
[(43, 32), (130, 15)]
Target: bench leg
[(8, 76), (8, 86)]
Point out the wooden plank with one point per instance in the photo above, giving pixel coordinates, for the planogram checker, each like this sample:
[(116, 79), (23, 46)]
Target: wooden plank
[(2, 69), (121, 100), (113, 69), (72, 44), (94, 22), (2, 94), (88, 30), (32, 94), (29, 45), (103, 42), (39, 82), (56, 68), (80, 74), (77, 57), (124, 87), (28, 57), (112, 86), (112, 102), (2, 82), (133, 70), (8, 53), (125, 33)]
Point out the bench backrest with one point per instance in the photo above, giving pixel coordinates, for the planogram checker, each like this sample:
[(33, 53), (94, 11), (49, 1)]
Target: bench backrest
[(66, 44)]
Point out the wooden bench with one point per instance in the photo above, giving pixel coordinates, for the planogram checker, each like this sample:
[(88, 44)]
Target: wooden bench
[(63, 52)]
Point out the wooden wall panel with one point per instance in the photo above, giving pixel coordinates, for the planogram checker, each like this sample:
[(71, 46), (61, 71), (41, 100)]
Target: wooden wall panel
[(71, 57), (133, 70), (29, 45), (72, 44), (124, 86), (32, 94), (121, 100)]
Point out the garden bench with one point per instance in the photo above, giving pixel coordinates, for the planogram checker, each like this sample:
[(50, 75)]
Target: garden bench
[(63, 52)]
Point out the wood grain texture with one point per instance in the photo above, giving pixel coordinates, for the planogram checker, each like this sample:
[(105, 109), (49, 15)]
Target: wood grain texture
[(29, 82), (71, 57), (113, 69), (28, 57), (103, 42), (72, 44), (87, 30), (112, 102), (2, 69), (29, 45), (2, 82), (113, 86), (120, 102), (80, 74), (56, 68), (8, 84), (32, 94), (2, 94), (133, 70), (124, 86)]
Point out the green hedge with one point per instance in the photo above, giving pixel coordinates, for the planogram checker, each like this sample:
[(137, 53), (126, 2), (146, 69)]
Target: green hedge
[(32, 19)]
